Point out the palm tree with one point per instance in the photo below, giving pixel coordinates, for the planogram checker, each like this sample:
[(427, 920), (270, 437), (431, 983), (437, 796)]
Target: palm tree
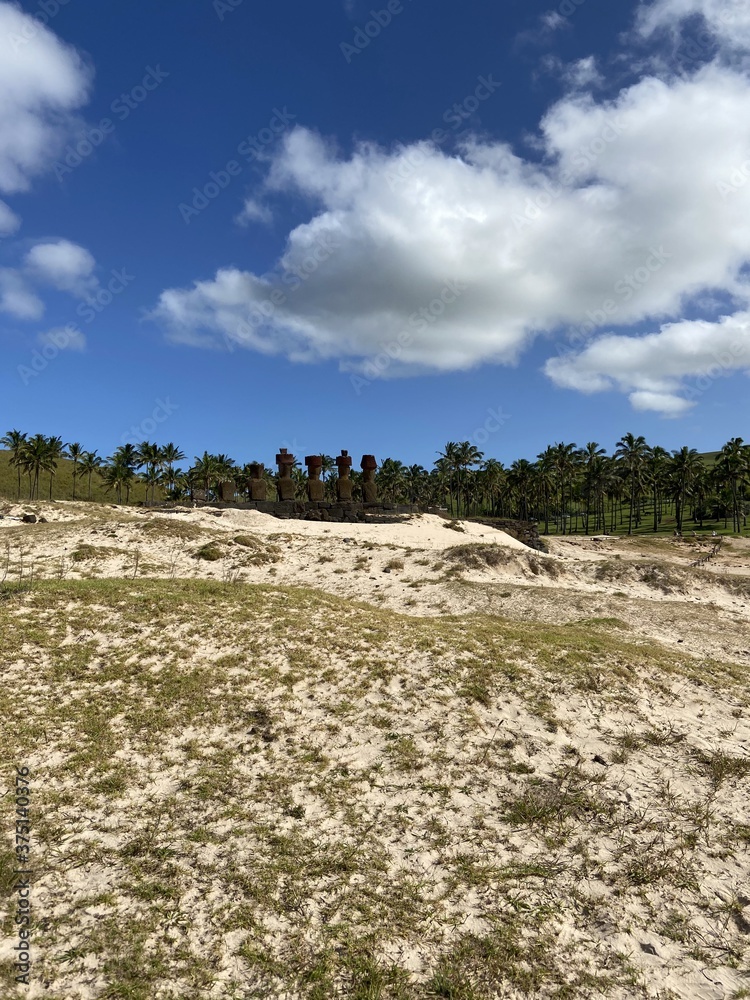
[(205, 471), (75, 452), (15, 441), (448, 466), (565, 461), (126, 454), (35, 458), (732, 468), (150, 456), (55, 451), (415, 481), (493, 480), (467, 456), (591, 459), (391, 479), (521, 479), (684, 467), (632, 453), (170, 454), (90, 463), (656, 470), (115, 476)]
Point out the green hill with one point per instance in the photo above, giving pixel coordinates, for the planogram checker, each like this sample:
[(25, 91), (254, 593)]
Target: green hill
[(62, 486)]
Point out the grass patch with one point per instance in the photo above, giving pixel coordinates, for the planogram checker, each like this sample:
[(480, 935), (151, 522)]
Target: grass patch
[(210, 552)]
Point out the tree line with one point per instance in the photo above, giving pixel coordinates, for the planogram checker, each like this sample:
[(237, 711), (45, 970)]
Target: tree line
[(567, 489)]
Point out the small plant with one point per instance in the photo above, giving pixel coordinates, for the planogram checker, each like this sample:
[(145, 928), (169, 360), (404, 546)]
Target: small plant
[(721, 766), (478, 556), (395, 564), (247, 541), (211, 552), (454, 526), (229, 573)]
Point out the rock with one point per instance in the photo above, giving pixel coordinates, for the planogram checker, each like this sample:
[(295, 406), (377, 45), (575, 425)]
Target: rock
[(42, 520), (29, 518)]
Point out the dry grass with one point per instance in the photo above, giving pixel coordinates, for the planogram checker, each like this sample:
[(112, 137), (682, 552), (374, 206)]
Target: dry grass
[(301, 796)]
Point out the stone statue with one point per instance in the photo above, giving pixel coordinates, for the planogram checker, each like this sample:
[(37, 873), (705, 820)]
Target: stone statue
[(344, 482), (226, 491), (369, 486), (258, 486), (286, 487), (315, 488)]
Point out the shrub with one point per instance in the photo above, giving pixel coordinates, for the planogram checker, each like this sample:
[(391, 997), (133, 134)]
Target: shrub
[(211, 552), (478, 556)]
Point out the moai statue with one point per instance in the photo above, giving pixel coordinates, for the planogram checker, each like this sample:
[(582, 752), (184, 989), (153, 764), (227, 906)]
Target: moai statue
[(369, 487), (286, 486), (226, 491), (258, 488), (344, 482), (315, 488)]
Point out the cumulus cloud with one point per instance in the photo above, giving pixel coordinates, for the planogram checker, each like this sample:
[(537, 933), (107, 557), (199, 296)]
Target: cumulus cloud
[(728, 20), (58, 264), (665, 371), (9, 221), (623, 211), (64, 265), (17, 298), (42, 82)]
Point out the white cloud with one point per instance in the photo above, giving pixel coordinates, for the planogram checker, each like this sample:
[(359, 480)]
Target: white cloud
[(553, 20), (659, 371), (42, 83), (624, 211), (16, 298), (583, 73), (254, 211), (728, 20), (64, 265), (9, 221), (68, 338)]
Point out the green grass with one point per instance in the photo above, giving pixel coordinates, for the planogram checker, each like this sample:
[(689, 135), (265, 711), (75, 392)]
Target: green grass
[(62, 485)]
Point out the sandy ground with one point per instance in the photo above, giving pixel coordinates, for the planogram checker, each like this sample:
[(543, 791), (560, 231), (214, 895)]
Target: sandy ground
[(646, 589), (403, 566)]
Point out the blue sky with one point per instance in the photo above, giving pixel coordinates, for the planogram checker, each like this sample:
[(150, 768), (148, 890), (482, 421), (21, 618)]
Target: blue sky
[(516, 223)]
